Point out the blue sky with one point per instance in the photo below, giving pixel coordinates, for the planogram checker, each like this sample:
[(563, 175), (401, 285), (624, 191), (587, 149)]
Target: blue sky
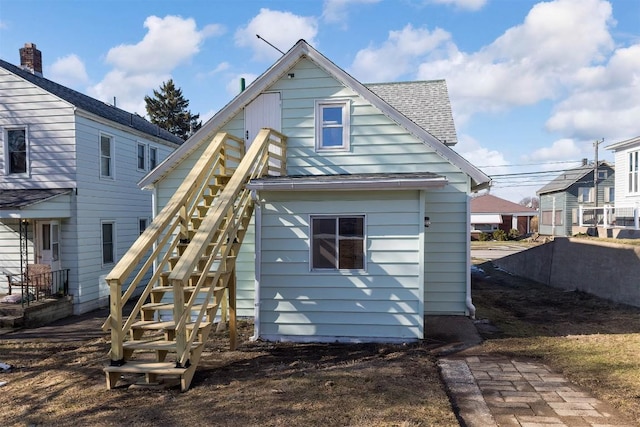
[(532, 84)]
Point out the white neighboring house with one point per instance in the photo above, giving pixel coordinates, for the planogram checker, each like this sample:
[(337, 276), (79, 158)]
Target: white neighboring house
[(627, 184), (69, 168)]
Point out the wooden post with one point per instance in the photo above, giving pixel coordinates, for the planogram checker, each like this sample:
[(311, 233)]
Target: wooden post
[(115, 310), (178, 310), (232, 310)]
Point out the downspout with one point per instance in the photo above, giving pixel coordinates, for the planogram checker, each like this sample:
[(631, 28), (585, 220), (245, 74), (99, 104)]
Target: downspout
[(470, 307), (258, 261)]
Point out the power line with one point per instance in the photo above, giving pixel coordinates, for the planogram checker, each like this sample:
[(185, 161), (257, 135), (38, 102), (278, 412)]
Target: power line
[(530, 164)]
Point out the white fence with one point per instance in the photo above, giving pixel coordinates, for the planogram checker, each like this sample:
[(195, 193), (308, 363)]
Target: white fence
[(609, 217)]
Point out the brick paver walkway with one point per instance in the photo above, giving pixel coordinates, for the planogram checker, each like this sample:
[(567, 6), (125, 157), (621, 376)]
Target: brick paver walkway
[(496, 391)]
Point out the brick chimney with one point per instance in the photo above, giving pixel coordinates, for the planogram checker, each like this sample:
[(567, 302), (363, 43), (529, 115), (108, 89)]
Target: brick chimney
[(31, 59)]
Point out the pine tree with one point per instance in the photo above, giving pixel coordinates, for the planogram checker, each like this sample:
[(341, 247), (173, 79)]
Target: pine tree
[(169, 110)]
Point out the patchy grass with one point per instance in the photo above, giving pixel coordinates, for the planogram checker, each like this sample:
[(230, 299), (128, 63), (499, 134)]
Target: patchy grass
[(595, 343), (260, 384)]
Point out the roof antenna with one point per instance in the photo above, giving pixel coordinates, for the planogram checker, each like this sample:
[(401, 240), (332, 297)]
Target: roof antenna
[(258, 36)]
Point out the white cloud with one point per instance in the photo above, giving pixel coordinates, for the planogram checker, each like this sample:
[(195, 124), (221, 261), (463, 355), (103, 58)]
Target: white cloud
[(605, 100), (233, 84), (560, 150), (462, 4), (336, 11), (281, 29), (69, 71), (169, 42), (138, 68), (128, 90), (4, 25), (400, 53)]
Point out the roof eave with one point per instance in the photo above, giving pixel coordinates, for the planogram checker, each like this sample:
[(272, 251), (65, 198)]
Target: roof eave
[(349, 185)]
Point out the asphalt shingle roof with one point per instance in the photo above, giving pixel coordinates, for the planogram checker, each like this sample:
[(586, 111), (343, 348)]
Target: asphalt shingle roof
[(569, 177), (92, 105), (426, 103), (488, 203), (18, 199)]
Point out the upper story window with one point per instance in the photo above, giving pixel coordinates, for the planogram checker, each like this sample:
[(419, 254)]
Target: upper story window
[(633, 171), (602, 174), (337, 243), (609, 194), (17, 151), (585, 194), (153, 157), (106, 156), (332, 125), (142, 157)]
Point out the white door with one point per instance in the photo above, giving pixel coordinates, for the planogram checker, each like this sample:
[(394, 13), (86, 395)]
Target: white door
[(48, 235), (263, 112)]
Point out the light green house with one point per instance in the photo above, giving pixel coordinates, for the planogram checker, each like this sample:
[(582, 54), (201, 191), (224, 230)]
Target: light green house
[(368, 231)]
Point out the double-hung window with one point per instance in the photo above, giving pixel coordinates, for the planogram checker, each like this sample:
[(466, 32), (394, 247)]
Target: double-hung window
[(108, 242), (153, 157), (142, 157), (332, 125), (585, 194), (106, 156), (17, 149), (337, 242)]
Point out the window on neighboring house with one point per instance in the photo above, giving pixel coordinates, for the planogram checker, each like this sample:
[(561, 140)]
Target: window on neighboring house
[(337, 243), (602, 174), (546, 217), (633, 172), (17, 149), (332, 125), (106, 156), (585, 194), (108, 242), (142, 156), (153, 157), (142, 224), (559, 217), (609, 194)]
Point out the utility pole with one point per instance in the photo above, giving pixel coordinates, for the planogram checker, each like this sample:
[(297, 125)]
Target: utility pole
[(596, 143)]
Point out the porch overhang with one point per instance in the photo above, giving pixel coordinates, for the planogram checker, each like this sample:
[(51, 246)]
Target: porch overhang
[(35, 203), (486, 218), (365, 182)]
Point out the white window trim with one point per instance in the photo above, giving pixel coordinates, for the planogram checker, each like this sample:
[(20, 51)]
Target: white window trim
[(364, 243), (113, 242), (112, 155), (346, 123), (155, 150), (5, 137), (609, 194), (633, 172), (145, 159), (591, 195)]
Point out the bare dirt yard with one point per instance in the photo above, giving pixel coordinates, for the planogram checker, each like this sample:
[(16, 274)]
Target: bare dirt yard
[(593, 342)]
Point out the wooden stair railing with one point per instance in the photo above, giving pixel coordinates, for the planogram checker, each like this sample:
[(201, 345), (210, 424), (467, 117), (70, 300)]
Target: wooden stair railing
[(206, 231)]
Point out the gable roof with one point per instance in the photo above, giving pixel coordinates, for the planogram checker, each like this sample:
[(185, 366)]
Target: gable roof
[(92, 105), (622, 145), (570, 177), (426, 103), (488, 203), (299, 51)]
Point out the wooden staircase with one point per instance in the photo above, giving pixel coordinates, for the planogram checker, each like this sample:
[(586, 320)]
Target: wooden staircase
[(193, 243)]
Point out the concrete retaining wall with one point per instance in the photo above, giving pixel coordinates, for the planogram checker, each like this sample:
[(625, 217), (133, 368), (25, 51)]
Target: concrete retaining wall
[(607, 270)]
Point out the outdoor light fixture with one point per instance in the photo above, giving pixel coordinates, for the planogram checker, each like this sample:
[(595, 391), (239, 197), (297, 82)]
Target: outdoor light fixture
[(427, 221), (291, 75)]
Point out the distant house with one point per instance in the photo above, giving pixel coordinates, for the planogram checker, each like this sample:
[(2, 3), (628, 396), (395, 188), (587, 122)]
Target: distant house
[(69, 168), (574, 189), (627, 182), (490, 213)]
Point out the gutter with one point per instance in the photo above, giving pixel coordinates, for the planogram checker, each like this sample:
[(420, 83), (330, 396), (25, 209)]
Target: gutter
[(349, 184), (469, 302), (258, 260)]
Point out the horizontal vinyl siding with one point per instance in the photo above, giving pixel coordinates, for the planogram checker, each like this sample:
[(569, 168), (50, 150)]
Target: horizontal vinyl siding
[(118, 200), (50, 128), (10, 250), (379, 303)]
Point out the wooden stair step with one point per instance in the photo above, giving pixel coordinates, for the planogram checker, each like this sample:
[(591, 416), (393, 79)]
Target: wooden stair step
[(154, 345), (160, 289), (152, 325), (138, 367), (169, 306)]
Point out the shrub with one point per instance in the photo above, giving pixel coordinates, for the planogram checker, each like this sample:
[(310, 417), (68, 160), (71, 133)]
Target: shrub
[(485, 237), (514, 234), (500, 235)]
